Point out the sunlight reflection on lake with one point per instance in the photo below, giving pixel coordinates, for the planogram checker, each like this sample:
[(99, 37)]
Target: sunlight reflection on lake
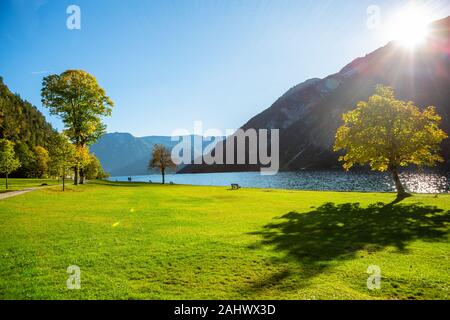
[(417, 182)]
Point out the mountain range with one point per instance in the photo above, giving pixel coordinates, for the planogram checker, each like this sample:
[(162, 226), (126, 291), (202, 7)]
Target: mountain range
[(309, 113), (122, 154)]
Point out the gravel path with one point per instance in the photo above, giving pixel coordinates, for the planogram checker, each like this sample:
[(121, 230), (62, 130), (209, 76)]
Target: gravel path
[(10, 194)]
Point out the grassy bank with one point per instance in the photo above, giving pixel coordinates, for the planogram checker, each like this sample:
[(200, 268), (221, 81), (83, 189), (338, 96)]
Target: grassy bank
[(20, 184), (138, 241)]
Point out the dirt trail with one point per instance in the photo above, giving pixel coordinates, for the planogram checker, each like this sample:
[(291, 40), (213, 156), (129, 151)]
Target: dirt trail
[(11, 194)]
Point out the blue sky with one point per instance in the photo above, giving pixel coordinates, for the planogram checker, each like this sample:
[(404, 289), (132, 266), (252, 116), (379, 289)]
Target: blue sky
[(168, 63)]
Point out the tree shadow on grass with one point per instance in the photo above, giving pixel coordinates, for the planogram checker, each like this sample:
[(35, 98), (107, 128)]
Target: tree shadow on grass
[(333, 233)]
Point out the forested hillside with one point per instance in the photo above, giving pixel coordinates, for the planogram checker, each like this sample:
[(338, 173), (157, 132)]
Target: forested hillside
[(23, 124)]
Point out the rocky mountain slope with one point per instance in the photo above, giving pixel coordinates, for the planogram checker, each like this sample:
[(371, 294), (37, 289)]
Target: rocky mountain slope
[(309, 113)]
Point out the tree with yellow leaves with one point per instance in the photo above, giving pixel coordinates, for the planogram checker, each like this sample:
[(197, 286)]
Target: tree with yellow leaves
[(78, 99), (161, 159), (387, 134), (41, 161), (82, 157), (63, 158)]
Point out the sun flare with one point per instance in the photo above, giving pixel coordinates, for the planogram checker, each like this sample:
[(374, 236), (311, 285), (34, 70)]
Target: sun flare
[(410, 27)]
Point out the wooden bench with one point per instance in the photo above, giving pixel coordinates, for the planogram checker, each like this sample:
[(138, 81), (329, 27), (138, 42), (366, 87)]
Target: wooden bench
[(235, 186)]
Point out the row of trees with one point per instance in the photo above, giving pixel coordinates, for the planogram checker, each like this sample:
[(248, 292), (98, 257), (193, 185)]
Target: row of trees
[(384, 132), (30, 147), (58, 163)]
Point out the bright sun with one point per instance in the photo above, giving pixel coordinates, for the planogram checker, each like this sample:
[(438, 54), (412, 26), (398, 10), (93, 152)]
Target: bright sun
[(410, 27)]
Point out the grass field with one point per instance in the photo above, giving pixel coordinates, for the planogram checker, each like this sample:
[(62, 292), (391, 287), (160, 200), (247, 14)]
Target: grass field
[(19, 184), (137, 241)]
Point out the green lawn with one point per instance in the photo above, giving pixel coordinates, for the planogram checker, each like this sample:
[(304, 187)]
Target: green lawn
[(137, 241), (19, 184)]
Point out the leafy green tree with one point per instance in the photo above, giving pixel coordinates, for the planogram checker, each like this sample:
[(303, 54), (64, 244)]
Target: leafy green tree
[(8, 160), (161, 159), (26, 157), (62, 158), (82, 158), (102, 174), (387, 134), (77, 98), (92, 168), (41, 160)]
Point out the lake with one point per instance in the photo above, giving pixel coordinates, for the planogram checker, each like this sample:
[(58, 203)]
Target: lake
[(424, 182)]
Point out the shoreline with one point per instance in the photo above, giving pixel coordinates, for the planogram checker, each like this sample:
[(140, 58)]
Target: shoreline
[(426, 182), (267, 189)]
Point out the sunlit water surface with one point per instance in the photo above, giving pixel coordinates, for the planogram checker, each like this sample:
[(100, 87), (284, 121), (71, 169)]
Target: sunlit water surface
[(424, 182)]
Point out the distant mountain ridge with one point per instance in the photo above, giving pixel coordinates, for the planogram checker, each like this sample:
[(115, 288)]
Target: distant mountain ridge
[(309, 114), (122, 154)]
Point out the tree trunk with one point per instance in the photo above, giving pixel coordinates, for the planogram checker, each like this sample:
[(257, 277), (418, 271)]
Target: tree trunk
[(162, 172), (398, 184), (6, 181), (81, 176), (75, 179), (64, 180)]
